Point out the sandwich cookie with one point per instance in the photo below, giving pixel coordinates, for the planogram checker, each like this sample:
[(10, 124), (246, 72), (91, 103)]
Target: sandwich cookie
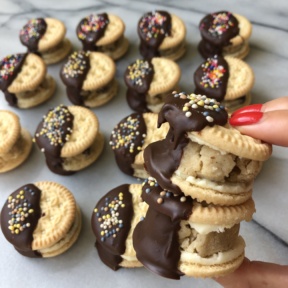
[(224, 33), (89, 78), (129, 139), (46, 37), (15, 141), (113, 221), (24, 81), (148, 82), (161, 35), (203, 240), (202, 156), (228, 80), (70, 139), (41, 219), (103, 33)]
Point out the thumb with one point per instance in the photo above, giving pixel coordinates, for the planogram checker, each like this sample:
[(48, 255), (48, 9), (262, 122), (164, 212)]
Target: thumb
[(271, 126)]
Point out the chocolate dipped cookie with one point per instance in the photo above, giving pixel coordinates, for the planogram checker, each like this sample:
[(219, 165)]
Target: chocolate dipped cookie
[(161, 35), (89, 78), (129, 139), (103, 33), (41, 219), (46, 37), (70, 139), (224, 33), (24, 81), (227, 79), (202, 156), (149, 81)]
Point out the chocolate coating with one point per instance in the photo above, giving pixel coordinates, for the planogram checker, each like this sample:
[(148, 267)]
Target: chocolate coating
[(73, 74), (119, 206), (159, 231), (126, 141), (153, 27), (138, 77), (10, 67), (91, 29), (211, 78), (52, 133), (19, 218), (32, 32), (216, 31)]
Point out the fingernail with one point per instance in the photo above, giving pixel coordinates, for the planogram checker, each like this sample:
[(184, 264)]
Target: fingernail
[(250, 108), (245, 118)]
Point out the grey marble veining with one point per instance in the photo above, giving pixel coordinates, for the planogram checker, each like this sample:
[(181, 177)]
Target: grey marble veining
[(266, 236)]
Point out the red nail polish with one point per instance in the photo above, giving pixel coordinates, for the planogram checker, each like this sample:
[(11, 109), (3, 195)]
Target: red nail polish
[(250, 108), (245, 118)]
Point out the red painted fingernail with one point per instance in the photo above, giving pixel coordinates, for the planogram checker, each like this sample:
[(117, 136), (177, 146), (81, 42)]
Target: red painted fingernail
[(245, 118), (250, 108)]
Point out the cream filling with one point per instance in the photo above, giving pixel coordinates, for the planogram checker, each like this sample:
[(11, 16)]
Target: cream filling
[(205, 229), (216, 258), (227, 187)]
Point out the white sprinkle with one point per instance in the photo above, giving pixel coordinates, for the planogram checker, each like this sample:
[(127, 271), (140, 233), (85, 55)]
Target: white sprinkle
[(195, 106), (209, 119), (188, 114)]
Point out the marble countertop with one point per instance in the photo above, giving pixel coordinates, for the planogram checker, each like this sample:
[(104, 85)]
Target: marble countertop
[(266, 235)]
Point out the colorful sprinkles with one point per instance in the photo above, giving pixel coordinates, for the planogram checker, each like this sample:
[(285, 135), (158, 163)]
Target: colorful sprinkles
[(212, 73), (126, 133), (152, 25), (221, 23), (108, 216), (52, 126), (76, 64), (92, 23), (20, 209), (138, 71), (199, 101), (8, 65), (33, 29)]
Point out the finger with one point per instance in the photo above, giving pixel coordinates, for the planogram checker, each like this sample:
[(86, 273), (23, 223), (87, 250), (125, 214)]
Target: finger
[(276, 104), (256, 274), (271, 127)]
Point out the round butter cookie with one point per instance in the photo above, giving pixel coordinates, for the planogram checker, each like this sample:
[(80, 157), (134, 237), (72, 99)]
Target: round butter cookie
[(89, 78), (24, 81), (103, 33), (15, 141), (130, 137), (228, 80), (46, 37), (120, 209), (149, 81), (70, 139), (224, 33), (161, 35), (202, 156), (41, 219)]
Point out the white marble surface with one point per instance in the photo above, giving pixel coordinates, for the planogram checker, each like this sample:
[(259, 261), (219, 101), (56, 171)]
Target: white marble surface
[(266, 236)]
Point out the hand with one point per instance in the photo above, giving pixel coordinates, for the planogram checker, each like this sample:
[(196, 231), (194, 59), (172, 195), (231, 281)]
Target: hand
[(268, 122)]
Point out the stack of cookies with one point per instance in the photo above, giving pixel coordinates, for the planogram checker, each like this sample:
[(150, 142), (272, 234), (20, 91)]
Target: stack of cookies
[(199, 190)]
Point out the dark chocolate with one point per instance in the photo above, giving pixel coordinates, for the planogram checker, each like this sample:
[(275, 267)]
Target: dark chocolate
[(126, 141), (19, 218), (155, 239), (91, 29), (138, 77), (10, 67), (114, 211), (211, 78), (153, 27), (216, 30), (32, 32), (73, 74), (51, 135)]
